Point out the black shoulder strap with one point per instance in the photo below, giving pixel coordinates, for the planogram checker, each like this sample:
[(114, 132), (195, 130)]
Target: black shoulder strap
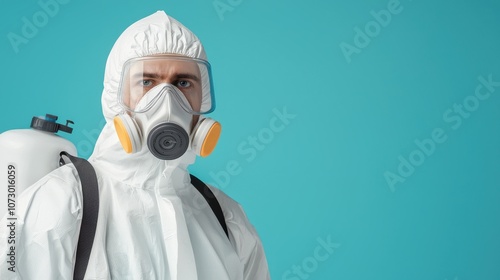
[(90, 194), (212, 201)]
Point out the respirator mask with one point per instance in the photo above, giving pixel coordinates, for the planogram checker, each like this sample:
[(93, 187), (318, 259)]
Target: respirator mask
[(163, 99)]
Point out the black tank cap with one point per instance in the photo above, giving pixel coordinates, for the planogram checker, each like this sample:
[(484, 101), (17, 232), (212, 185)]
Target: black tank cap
[(49, 124)]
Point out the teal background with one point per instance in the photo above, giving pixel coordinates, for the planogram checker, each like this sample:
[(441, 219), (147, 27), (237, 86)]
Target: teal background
[(322, 175)]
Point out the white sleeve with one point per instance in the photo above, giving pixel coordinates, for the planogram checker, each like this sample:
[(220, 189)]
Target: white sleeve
[(46, 230), (244, 238)]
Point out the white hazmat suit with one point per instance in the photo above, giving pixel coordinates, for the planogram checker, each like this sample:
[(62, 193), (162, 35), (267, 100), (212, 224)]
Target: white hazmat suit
[(153, 224)]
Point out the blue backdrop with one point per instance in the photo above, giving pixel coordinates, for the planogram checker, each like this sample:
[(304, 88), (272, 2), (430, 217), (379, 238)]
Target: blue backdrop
[(361, 137)]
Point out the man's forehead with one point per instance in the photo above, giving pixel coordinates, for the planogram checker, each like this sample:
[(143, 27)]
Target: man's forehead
[(165, 66)]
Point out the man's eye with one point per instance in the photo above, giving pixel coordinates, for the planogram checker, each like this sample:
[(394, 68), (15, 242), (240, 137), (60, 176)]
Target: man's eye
[(184, 84), (146, 83)]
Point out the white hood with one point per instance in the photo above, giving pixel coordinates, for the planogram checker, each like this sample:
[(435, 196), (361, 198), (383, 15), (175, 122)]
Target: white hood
[(155, 34)]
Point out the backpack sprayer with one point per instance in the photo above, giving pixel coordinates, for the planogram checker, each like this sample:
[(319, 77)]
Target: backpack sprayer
[(27, 155)]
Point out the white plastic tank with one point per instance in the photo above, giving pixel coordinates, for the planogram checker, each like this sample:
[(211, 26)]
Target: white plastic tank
[(27, 155)]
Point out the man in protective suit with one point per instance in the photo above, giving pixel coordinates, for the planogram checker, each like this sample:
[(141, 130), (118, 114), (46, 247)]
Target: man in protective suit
[(152, 222)]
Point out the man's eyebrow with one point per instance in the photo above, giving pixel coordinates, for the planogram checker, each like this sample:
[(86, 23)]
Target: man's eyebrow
[(177, 76), (187, 76)]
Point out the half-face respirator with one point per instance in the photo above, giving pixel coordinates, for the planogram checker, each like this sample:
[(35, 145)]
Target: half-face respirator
[(167, 117)]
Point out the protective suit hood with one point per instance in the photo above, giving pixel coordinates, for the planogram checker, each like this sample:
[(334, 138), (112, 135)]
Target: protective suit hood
[(155, 34), (152, 35)]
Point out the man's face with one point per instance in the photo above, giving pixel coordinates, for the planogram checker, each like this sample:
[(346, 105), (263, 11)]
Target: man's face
[(145, 75)]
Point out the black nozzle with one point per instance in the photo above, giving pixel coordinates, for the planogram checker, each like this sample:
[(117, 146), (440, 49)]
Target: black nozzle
[(49, 124)]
